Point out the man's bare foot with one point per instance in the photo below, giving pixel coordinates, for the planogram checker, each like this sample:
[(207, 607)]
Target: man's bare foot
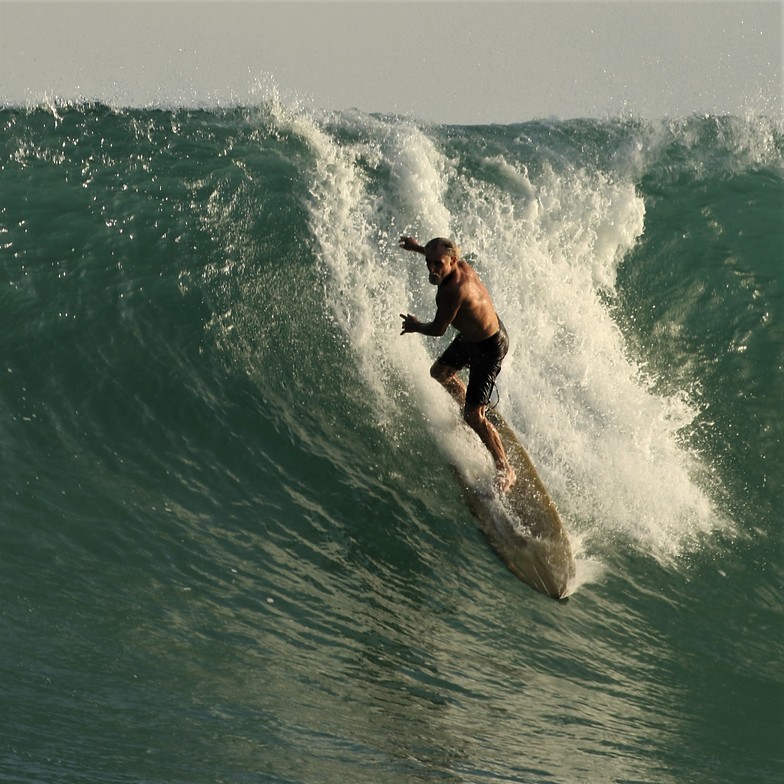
[(504, 479)]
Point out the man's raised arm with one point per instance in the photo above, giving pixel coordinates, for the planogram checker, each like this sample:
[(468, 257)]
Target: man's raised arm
[(409, 243)]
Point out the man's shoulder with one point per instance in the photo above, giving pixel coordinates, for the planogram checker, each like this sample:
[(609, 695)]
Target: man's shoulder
[(468, 275), (465, 273), (456, 283)]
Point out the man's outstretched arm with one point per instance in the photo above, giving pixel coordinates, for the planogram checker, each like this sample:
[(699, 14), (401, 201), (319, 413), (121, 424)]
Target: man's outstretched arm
[(412, 324), (448, 306), (410, 243)]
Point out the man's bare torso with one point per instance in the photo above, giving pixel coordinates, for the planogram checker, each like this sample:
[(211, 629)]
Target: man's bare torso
[(475, 317)]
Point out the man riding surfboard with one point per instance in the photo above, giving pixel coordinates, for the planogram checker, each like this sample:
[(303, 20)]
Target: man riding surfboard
[(463, 302)]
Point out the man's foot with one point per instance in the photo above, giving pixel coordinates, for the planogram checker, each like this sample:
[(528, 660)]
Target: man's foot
[(504, 479)]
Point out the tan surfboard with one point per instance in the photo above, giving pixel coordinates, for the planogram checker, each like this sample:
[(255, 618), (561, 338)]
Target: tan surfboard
[(523, 525)]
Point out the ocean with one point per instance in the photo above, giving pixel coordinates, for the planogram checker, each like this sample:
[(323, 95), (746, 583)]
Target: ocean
[(233, 547)]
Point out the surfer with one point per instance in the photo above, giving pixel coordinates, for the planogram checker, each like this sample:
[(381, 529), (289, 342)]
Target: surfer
[(463, 302)]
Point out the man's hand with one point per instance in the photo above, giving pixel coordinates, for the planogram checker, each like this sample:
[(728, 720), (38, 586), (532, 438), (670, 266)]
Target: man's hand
[(410, 243), (410, 323)]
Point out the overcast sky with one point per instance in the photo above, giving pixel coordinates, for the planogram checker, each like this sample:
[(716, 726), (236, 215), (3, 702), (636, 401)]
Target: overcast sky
[(470, 62)]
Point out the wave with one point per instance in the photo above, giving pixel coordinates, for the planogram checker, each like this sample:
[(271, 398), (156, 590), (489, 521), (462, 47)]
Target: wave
[(292, 218), (229, 509)]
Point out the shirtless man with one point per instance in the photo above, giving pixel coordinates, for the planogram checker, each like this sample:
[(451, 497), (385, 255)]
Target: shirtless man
[(463, 301)]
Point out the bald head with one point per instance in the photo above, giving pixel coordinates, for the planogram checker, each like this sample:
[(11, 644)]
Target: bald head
[(442, 246)]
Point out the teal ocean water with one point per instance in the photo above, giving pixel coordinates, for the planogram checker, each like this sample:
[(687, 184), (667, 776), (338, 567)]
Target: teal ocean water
[(232, 546)]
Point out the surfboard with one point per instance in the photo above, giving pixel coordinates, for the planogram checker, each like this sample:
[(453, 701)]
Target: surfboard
[(523, 525)]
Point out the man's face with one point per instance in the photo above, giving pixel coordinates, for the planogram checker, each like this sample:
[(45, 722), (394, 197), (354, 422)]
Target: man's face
[(439, 265)]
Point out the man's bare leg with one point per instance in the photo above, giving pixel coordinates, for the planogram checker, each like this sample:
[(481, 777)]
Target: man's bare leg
[(447, 377), (475, 418)]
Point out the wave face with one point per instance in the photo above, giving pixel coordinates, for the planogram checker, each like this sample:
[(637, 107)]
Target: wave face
[(233, 548)]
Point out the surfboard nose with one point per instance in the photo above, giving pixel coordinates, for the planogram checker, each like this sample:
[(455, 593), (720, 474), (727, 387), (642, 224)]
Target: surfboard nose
[(541, 559), (543, 564)]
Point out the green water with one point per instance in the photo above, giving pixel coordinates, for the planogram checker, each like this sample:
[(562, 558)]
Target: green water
[(232, 546)]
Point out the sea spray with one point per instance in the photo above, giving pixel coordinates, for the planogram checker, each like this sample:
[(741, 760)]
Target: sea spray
[(605, 442)]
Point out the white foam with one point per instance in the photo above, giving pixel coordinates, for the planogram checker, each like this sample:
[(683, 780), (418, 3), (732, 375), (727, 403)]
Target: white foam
[(606, 445)]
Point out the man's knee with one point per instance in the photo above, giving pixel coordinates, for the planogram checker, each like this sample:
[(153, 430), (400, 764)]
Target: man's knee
[(474, 416), (441, 372)]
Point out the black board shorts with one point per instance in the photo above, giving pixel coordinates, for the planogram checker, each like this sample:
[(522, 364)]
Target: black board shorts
[(483, 360)]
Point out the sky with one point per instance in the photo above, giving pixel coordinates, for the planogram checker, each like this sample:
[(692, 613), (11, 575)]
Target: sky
[(438, 61)]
